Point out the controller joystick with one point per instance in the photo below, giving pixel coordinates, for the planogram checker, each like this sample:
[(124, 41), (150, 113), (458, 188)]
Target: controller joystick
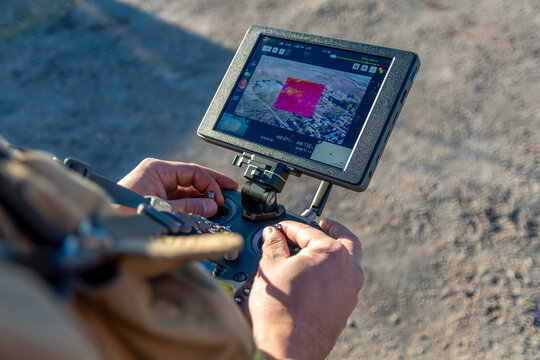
[(225, 212)]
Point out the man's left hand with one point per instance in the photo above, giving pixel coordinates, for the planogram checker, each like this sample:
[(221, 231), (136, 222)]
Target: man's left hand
[(180, 183)]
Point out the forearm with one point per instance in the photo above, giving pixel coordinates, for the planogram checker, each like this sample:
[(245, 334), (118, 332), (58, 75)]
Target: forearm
[(287, 341)]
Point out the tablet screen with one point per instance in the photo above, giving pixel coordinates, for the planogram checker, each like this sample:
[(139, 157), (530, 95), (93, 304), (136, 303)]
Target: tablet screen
[(309, 100)]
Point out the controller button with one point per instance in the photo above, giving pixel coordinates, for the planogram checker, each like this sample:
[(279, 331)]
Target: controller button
[(246, 291), (238, 300), (240, 276)]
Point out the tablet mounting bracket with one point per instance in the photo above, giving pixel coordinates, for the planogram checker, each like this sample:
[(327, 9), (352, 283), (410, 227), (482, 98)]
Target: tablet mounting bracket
[(266, 179)]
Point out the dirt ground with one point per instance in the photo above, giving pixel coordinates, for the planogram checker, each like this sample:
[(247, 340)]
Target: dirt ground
[(450, 220)]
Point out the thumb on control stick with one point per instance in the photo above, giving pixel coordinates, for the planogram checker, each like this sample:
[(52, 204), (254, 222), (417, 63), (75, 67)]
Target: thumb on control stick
[(274, 244)]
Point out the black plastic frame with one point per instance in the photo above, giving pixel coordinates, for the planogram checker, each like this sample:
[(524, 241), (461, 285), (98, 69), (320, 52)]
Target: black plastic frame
[(376, 131)]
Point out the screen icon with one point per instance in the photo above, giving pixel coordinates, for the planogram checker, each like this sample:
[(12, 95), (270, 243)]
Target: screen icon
[(235, 97), (281, 51), (275, 50), (372, 69), (364, 68), (266, 48), (356, 66)]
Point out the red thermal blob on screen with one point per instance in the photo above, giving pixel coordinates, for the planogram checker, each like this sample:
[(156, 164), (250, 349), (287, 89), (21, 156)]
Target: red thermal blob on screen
[(299, 96)]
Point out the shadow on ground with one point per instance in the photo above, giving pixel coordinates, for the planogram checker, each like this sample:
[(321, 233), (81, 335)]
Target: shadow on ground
[(100, 75)]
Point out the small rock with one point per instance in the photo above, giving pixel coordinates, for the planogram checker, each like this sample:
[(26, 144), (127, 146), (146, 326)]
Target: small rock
[(394, 319), (510, 274), (493, 312)]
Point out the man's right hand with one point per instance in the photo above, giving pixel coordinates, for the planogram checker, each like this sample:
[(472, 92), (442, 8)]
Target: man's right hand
[(299, 304)]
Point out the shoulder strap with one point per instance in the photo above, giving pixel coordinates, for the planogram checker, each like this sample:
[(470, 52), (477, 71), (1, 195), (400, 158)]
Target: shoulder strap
[(120, 195)]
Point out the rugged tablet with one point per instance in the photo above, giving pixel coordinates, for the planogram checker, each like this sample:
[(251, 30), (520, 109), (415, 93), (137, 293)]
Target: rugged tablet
[(323, 106)]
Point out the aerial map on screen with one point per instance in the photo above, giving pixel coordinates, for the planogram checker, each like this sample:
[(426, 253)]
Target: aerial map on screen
[(302, 99), (307, 99)]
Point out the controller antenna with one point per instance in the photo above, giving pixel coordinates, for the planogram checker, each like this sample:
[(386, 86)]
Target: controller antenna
[(319, 201)]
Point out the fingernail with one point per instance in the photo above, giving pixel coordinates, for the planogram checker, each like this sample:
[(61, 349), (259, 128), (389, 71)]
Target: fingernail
[(268, 231)]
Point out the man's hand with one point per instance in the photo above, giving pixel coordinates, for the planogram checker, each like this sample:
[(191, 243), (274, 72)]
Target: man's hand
[(179, 183), (300, 304)]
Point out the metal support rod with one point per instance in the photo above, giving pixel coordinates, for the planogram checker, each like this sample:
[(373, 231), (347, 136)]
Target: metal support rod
[(317, 205)]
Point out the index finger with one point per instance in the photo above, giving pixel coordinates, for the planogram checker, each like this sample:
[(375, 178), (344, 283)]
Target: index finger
[(203, 179), (343, 235), (224, 181)]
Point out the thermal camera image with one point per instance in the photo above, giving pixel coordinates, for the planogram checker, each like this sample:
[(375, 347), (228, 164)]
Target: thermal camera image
[(304, 98), (299, 96)]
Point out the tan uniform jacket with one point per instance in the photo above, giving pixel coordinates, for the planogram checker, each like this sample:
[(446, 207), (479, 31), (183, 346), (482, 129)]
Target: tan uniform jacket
[(159, 305)]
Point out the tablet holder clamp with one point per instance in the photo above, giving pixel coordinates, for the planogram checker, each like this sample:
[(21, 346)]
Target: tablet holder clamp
[(266, 179)]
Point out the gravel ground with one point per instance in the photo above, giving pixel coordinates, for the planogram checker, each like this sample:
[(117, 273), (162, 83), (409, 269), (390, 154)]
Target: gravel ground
[(450, 221)]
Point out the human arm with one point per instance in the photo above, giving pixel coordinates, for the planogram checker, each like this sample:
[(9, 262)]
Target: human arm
[(180, 183), (300, 304)]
